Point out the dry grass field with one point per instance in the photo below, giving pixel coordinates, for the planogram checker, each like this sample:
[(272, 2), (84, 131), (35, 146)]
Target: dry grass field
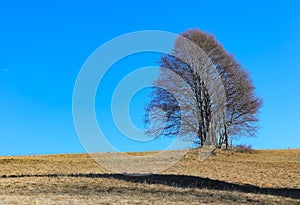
[(262, 177)]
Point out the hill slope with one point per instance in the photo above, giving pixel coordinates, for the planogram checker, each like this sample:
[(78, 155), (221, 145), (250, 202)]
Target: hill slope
[(262, 177)]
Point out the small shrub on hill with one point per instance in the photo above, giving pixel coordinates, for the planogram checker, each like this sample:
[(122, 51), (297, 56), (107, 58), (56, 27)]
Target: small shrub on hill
[(242, 148)]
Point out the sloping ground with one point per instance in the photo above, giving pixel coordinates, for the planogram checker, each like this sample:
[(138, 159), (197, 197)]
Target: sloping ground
[(262, 177)]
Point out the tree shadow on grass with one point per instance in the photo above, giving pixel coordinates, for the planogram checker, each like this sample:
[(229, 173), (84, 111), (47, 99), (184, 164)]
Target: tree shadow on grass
[(181, 181)]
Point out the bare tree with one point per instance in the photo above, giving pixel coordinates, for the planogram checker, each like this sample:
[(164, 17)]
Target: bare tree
[(221, 102)]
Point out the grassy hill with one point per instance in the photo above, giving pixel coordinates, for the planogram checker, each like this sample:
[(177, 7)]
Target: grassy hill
[(261, 177)]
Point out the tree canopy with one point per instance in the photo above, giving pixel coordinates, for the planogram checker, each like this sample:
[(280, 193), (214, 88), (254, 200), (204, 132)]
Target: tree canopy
[(220, 100)]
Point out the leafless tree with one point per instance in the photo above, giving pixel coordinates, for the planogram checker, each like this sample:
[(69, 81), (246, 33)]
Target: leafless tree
[(220, 103)]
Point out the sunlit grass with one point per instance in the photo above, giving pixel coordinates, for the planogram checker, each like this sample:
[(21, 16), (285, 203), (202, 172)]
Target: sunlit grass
[(78, 179)]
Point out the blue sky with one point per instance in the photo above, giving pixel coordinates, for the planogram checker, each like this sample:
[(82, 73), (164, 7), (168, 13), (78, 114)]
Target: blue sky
[(43, 45)]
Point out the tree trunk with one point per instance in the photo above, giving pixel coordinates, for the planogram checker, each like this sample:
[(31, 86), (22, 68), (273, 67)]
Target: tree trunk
[(225, 131)]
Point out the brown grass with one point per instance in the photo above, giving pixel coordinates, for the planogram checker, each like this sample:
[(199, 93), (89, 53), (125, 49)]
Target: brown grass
[(261, 177)]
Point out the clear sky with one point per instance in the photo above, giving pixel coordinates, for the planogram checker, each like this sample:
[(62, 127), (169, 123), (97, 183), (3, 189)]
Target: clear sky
[(43, 45)]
